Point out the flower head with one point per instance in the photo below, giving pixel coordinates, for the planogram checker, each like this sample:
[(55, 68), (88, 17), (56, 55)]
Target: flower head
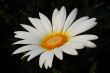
[(62, 35)]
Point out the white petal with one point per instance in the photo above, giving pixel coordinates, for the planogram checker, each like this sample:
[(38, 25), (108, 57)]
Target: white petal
[(71, 17), (85, 37), (38, 24), (84, 41), (35, 22), (58, 53), (46, 23), (77, 22), (89, 44), (75, 44), (30, 52), (83, 27), (29, 28), (61, 19), (28, 41), (25, 48), (69, 50), (27, 54), (42, 59), (33, 30), (27, 35), (46, 58), (22, 34), (54, 20), (35, 53), (45, 65), (49, 58)]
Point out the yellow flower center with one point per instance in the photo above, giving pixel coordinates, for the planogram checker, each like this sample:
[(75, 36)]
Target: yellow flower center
[(53, 41)]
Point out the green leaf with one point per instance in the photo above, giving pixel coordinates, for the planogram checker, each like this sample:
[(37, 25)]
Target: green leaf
[(93, 68)]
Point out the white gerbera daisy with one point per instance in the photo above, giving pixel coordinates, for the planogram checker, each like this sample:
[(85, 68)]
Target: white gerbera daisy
[(53, 39)]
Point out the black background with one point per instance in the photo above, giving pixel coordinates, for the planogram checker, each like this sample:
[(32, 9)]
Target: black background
[(15, 12)]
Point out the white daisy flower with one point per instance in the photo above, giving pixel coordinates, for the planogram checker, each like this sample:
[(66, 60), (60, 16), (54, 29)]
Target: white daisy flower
[(62, 35)]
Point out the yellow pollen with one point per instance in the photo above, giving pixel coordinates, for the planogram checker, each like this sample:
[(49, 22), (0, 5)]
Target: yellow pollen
[(53, 41)]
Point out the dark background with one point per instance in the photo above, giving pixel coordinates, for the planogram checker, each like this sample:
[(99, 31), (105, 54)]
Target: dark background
[(15, 12)]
